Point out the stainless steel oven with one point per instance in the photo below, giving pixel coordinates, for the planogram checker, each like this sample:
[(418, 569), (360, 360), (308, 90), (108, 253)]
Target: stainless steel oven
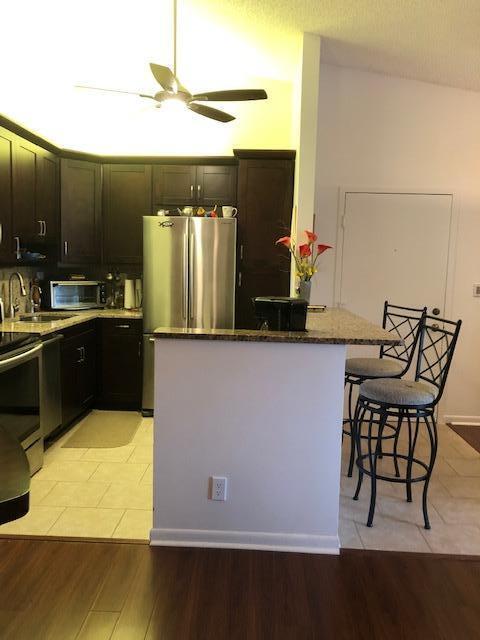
[(76, 294), (20, 372)]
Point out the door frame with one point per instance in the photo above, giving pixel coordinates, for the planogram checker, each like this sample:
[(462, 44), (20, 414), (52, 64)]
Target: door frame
[(452, 245)]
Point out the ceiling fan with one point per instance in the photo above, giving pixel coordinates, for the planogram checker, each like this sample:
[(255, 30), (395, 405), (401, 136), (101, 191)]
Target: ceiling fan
[(172, 89)]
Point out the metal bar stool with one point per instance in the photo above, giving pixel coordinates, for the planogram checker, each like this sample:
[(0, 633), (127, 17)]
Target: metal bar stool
[(394, 361), (407, 401)]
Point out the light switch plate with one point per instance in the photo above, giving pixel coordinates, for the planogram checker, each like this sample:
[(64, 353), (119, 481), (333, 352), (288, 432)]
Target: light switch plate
[(476, 290)]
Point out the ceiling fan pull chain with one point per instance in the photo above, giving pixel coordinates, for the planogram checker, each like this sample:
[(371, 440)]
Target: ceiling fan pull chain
[(175, 38)]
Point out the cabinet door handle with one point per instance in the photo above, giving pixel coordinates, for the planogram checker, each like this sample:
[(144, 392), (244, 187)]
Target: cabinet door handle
[(40, 233), (17, 247), (241, 252), (239, 278), (139, 348), (199, 190), (191, 190), (65, 247), (44, 228), (122, 326), (1, 233), (80, 360)]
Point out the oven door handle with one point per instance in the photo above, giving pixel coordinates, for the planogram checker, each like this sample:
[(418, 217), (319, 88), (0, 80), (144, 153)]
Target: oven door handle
[(24, 356), (45, 343)]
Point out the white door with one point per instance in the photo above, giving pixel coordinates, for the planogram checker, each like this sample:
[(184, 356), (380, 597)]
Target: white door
[(395, 248)]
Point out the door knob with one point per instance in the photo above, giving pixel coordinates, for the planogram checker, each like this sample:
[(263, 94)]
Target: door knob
[(436, 311)]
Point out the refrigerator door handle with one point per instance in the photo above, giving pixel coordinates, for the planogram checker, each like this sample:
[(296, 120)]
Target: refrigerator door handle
[(185, 277), (191, 276)]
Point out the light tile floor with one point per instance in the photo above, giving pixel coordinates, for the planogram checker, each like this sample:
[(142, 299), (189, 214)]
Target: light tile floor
[(97, 493), (454, 505), (107, 493)]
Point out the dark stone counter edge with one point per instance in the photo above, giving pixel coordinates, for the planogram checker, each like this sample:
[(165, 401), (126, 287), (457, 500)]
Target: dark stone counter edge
[(269, 337)]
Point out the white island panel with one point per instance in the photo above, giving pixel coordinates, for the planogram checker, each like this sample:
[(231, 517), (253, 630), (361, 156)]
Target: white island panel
[(267, 415)]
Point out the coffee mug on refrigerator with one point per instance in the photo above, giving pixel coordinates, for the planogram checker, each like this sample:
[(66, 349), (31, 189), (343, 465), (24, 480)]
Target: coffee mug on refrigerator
[(229, 212)]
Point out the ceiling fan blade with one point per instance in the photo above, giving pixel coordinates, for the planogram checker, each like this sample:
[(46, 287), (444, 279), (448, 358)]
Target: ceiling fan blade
[(214, 114), (232, 94), (133, 93), (164, 76)]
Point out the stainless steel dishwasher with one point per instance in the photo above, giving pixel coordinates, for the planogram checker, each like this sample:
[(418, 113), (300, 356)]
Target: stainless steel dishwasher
[(50, 386)]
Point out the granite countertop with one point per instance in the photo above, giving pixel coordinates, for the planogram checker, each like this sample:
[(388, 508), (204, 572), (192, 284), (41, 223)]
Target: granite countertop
[(77, 317), (333, 326)]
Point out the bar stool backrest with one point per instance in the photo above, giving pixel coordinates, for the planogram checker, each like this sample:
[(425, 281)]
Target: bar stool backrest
[(435, 352), (407, 323)]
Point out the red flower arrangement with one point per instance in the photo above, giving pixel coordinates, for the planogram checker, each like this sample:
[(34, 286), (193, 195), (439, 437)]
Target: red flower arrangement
[(305, 261)]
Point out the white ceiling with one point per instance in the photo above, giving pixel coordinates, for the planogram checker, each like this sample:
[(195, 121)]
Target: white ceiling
[(432, 40), (47, 47)]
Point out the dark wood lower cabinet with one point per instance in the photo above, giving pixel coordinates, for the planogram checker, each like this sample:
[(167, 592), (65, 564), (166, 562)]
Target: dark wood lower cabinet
[(120, 364), (78, 363)]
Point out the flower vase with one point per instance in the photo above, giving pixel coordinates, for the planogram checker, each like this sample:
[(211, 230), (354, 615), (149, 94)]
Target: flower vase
[(304, 290)]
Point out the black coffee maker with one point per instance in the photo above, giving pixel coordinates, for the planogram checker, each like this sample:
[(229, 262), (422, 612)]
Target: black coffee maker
[(277, 313)]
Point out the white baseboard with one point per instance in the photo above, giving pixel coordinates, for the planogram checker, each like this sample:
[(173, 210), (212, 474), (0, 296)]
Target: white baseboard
[(463, 420), (292, 542)]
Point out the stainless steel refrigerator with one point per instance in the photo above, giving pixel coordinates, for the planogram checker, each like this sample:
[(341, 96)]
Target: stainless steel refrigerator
[(188, 280)]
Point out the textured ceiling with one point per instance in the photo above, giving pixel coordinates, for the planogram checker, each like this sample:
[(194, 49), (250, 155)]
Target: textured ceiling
[(432, 40)]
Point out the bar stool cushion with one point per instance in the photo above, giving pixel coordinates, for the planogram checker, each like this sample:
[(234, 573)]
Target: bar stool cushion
[(397, 392), (374, 367)]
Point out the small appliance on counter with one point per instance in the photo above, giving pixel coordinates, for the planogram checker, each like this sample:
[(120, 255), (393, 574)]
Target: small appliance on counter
[(276, 313), (75, 294)]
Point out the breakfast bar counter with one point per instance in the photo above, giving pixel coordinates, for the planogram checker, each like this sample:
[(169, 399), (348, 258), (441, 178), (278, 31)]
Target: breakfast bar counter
[(263, 410)]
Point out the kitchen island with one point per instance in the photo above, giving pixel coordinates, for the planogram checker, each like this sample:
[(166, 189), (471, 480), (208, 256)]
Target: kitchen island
[(264, 410)]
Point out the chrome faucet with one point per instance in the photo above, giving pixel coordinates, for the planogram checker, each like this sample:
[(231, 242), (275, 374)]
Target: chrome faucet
[(14, 306)]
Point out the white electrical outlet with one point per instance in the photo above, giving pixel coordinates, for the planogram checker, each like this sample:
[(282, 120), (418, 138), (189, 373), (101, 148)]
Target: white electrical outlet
[(218, 488)]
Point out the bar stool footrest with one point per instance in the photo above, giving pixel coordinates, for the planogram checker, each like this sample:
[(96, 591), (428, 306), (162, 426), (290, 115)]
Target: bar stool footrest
[(401, 480)]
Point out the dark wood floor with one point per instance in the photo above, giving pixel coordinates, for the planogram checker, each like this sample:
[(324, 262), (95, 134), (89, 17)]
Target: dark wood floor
[(53, 590), (470, 434)]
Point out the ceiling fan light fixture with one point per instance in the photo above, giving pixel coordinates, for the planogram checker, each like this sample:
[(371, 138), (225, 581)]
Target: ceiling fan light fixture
[(172, 104)]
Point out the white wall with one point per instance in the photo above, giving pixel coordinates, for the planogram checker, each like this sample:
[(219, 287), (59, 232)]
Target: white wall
[(381, 131)]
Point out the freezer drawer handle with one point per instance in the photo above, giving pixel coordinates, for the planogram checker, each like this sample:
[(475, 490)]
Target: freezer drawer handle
[(122, 326)]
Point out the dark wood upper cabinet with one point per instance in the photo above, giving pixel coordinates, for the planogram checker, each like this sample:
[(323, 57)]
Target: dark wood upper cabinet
[(80, 212), (47, 202), (29, 196), (202, 185), (265, 200), (24, 184), (127, 197), (216, 185), (6, 153), (174, 184)]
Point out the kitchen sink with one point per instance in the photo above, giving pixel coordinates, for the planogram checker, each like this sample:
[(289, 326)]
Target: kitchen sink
[(45, 317)]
